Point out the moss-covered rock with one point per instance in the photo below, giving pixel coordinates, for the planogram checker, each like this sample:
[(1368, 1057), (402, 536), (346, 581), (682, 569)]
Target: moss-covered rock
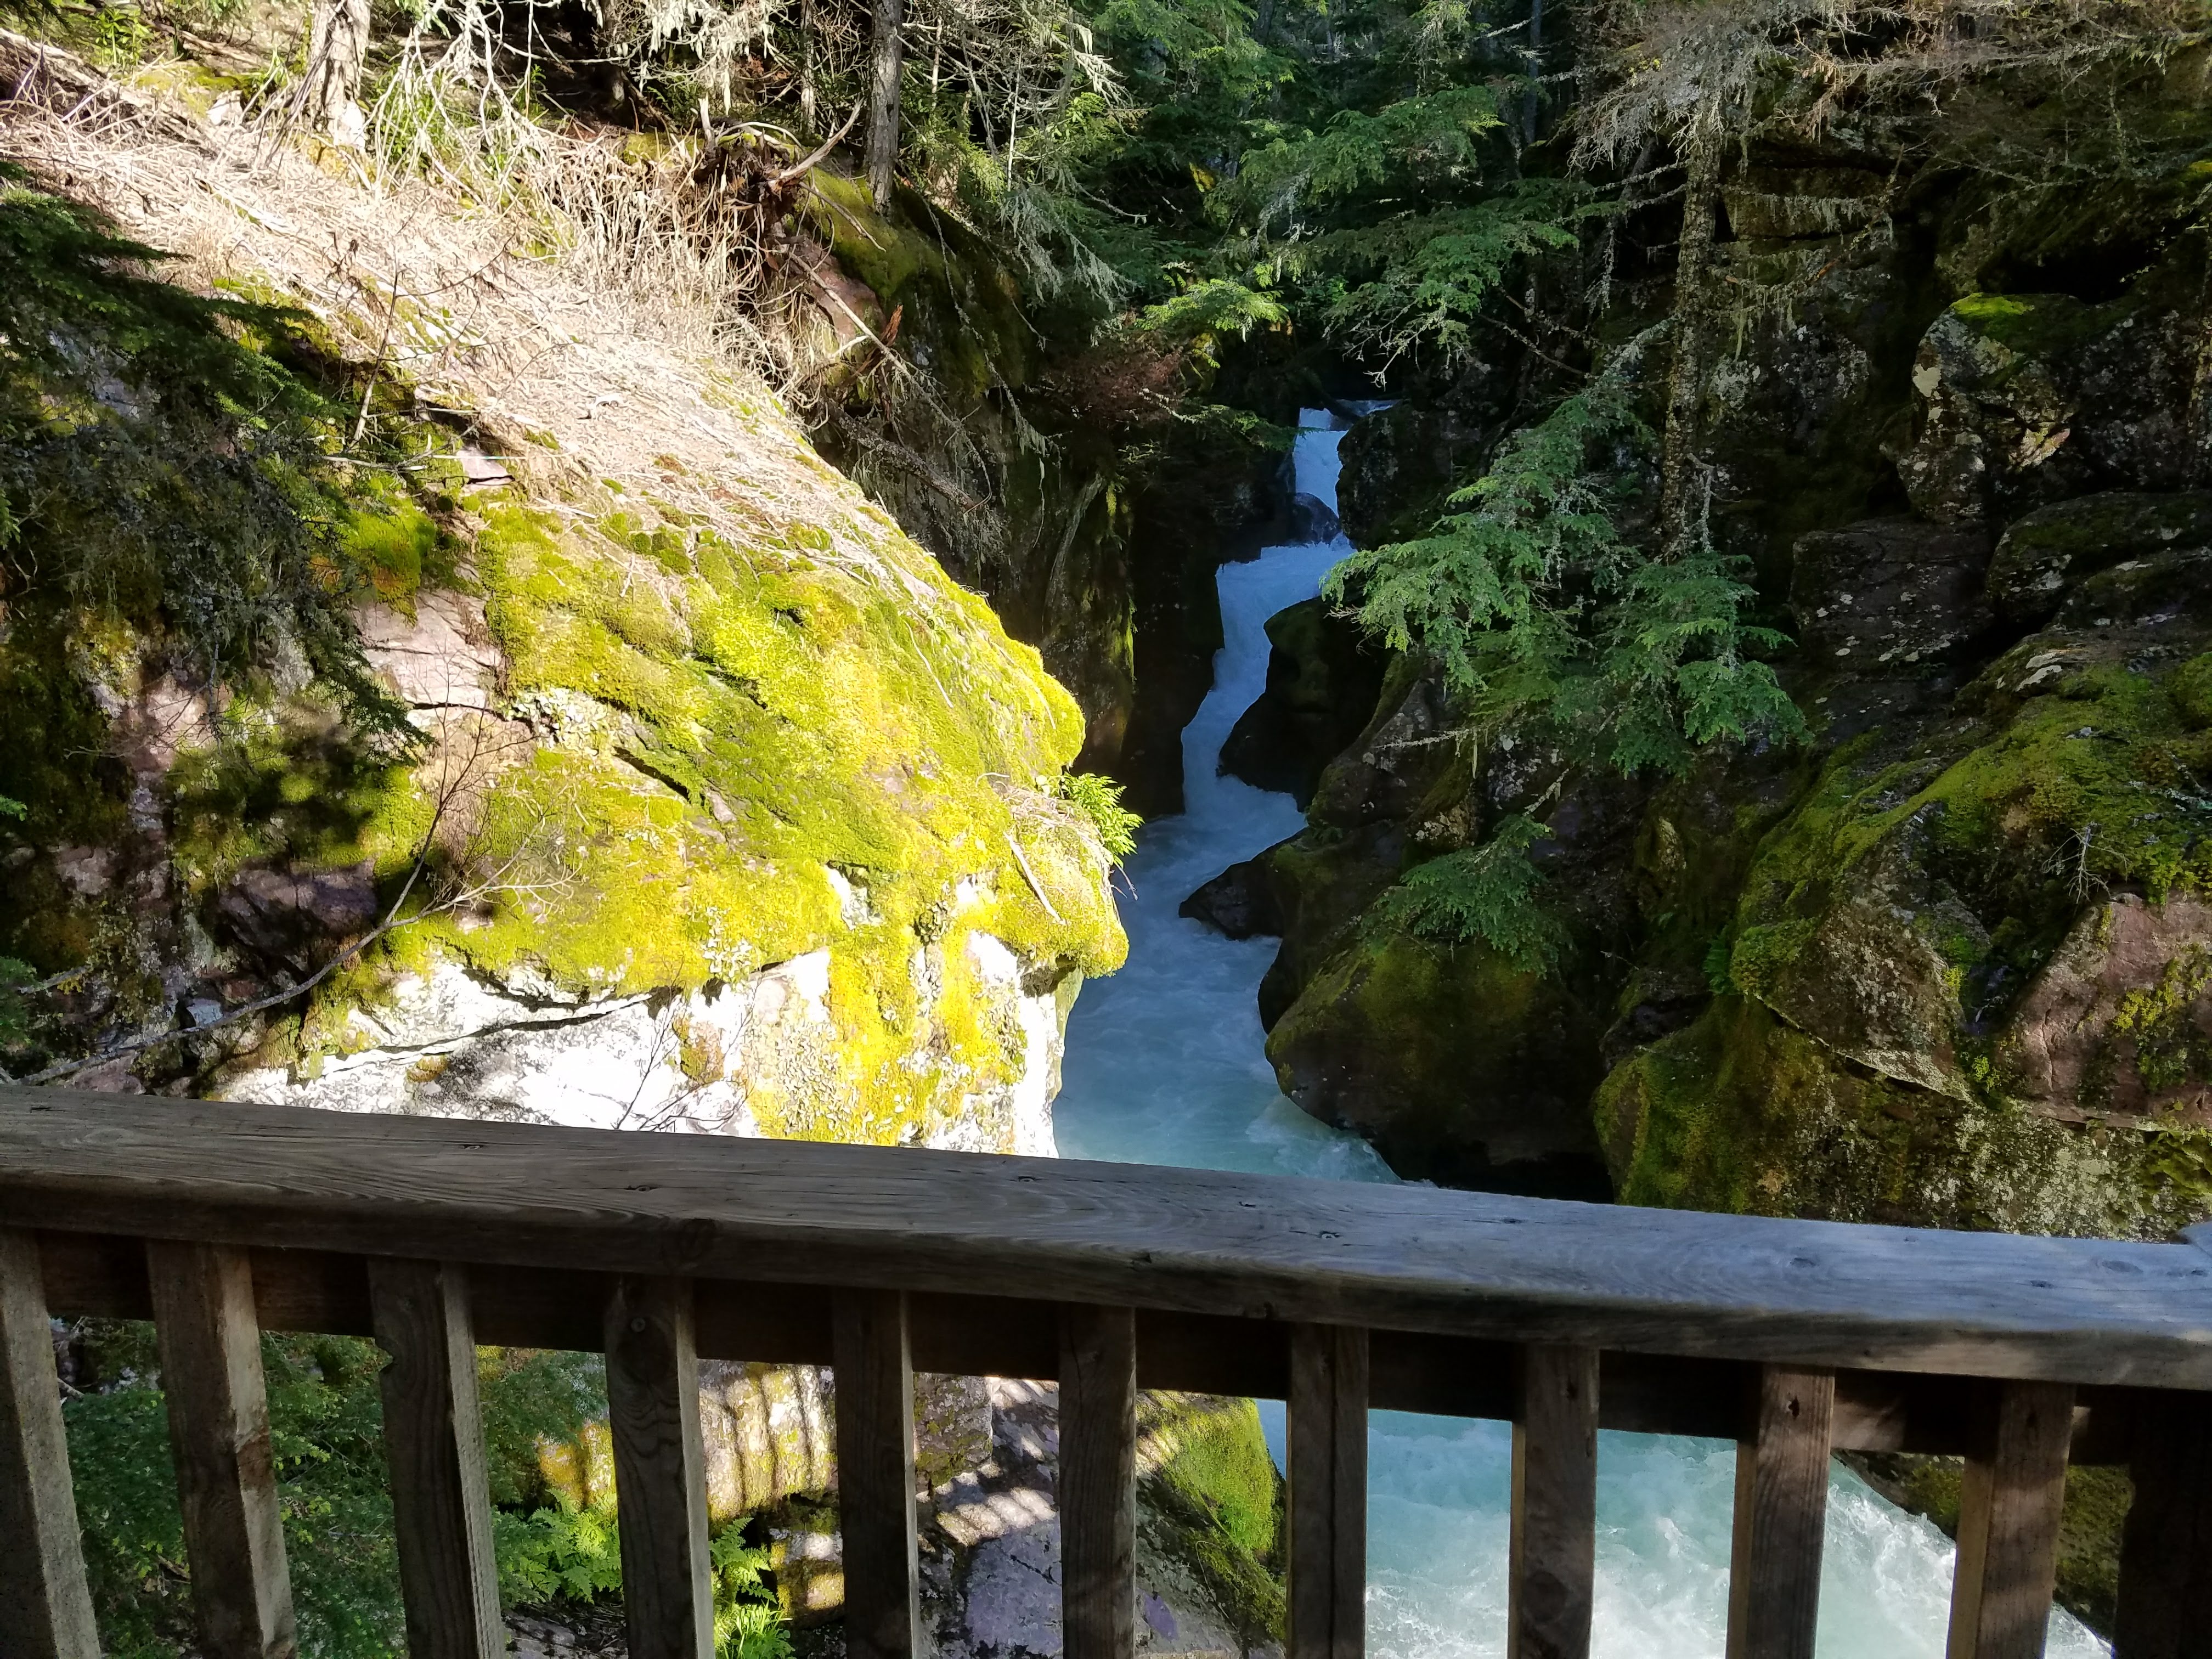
[(709, 759), (1963, 973), (1323, 677), (1211, 1515), (715, 799), (2032, 398), (2053, 549), (1458, 1066)]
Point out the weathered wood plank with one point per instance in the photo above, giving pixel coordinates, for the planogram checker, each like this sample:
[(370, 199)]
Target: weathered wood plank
[(660, 1468), (45, 1611), (2165, 1556), (875, 1475), (1098, 1493), (434, 1441), (209, 1341), (1396, 1257), (101, 1275), (1781, 1516), (1553, 1555), (1327, 1498), (2009, 1512)]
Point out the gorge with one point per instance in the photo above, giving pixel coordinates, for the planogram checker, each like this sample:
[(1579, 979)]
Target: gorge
[(1649, 567), (1165, 1065)]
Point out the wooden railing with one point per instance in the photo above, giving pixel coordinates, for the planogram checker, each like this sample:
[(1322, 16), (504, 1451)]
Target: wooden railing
[(1794, 1339)]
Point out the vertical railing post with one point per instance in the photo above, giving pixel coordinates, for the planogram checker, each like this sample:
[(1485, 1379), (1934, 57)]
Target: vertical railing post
[(1781, 1516), (660, 1468), (1098, 1491), (209, 1342), (434, 1441), (45, 1611), (874, 1369), (2166, 1554), (1327, 1432), (1552, 1569), (2009, 1504)]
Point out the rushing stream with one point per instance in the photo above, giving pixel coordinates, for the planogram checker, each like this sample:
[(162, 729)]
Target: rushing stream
[(1164, 1066)]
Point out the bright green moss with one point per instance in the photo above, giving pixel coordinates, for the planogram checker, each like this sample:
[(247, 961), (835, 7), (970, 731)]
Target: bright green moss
[(1213, 1505), (1219, 1458), (398, 546), (943, 284), (2031, 325), (2190, 687), (716, 729)]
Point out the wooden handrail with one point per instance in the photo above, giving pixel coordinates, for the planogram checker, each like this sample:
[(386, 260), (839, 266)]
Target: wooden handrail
[(1406, 1258), (1795, 1338)]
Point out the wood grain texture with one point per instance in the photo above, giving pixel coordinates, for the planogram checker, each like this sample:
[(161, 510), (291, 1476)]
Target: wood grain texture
[(104, 1276), (210, 1340), (1553, 1555), (1397, 1257), (875, 1475), (2165, 1555), (1781, 1516), (45, 1611), (434, 1443), (1328, 1500), (1098, 1492), (660, 1468), (2010, 1502)]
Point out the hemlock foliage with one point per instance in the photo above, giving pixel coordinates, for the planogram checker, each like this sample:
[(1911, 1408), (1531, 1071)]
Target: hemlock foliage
[(1547, 620), (1540, 610), (1486, 892)]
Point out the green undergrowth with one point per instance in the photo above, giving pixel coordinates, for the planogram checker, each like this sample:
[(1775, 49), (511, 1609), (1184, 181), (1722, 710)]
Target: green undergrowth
[(326, 1430)]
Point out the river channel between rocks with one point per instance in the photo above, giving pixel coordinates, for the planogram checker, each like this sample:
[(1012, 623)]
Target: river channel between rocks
[(1165, 1065)]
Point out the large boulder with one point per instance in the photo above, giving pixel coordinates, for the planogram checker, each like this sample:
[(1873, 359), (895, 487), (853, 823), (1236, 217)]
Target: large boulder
[(2046, 555), (1323, 676), (2029, 399), (1458, 1066), (1965, 980), (704, 795)]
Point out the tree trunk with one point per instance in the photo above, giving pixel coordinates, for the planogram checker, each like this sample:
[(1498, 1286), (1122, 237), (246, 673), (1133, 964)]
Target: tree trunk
[(883, 100), (1679, 509), (338, 45)]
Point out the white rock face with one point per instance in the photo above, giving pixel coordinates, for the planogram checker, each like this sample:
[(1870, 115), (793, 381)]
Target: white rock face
[(453, 1043)]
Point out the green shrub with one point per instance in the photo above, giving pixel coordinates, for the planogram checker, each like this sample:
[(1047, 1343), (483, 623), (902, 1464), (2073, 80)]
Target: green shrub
[(325, 1418), (1486, 892), (1099, 800), (325, 1428)]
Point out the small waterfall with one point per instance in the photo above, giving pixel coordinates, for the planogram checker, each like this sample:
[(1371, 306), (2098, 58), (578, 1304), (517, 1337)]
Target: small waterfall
[(1165, 1065)]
